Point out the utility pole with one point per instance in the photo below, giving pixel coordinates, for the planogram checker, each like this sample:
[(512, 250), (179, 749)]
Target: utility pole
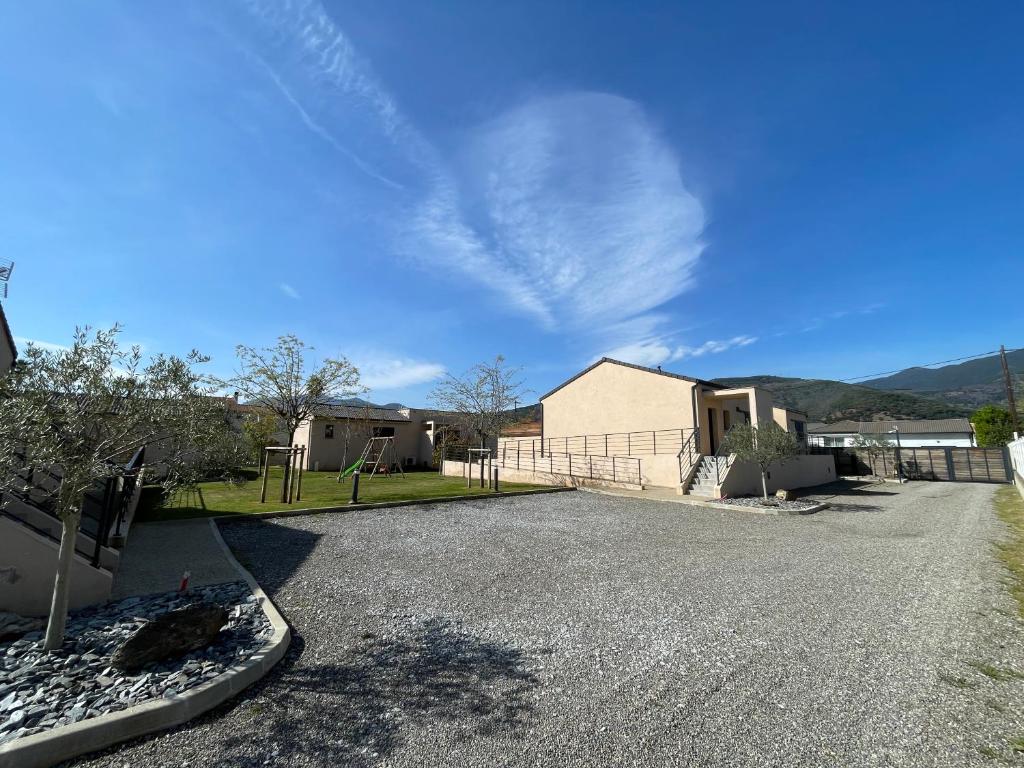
[(1009, 390)]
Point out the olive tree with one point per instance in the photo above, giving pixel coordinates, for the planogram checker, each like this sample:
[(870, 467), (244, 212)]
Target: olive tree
[(259, 428), (483, 397), (82, 412), (875, 446), (765, 444), (283, 381)]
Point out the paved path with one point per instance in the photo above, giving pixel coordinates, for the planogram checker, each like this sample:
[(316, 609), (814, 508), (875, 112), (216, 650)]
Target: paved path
[(578, 630), (157, 554)]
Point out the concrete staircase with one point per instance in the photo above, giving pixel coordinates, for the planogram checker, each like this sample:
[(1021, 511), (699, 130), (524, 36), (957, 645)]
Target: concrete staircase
[(703, 482)]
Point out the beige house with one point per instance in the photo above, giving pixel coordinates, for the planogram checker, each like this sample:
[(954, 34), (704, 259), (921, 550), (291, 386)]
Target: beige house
[(341, 434), (616, 397), (617, 420)]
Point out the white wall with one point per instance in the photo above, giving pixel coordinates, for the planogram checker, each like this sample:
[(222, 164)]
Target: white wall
[(924, 440), (28, 563)]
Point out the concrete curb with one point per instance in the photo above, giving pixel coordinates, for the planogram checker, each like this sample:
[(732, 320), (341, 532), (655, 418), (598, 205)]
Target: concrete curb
[(690, 501), (241, 518), (46, 749)]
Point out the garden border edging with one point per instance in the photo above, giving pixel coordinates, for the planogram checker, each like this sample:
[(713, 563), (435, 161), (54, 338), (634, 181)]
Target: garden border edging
[(42, 750)]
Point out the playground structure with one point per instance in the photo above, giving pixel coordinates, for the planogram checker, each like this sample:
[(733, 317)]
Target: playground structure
[(291, 483), (379, 456)]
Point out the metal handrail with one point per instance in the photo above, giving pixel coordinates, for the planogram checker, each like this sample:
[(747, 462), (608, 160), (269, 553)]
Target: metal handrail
[(690, 452), (649, 441), (626, 469)]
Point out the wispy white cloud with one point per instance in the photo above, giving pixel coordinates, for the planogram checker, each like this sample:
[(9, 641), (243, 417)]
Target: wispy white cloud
[(49, 346), (289, 291), (657, 351), (649, 353), (569, 207), (319, 129), (712, 347), (580, 201), (385, 374)]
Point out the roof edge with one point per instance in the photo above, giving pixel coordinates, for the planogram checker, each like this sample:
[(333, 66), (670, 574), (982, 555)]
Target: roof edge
[(656, 371)]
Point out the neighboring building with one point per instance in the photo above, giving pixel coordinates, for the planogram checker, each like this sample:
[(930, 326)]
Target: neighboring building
[(919, 433), (8, 351), (415, 432)]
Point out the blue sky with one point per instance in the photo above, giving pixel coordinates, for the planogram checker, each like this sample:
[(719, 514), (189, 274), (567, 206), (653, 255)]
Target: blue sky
[(803, 189)]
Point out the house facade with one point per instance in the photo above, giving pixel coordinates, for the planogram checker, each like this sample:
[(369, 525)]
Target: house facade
[(916, 433), (616, 397), (339, 435)]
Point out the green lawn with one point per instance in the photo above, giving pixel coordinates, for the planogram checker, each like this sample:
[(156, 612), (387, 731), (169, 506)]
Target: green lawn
[(319, 489), (1010, 508)]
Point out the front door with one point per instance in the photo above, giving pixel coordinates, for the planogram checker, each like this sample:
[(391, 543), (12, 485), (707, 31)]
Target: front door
[(713, 431)]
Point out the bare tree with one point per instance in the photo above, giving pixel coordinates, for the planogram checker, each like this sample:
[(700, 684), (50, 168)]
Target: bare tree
[(82, 412), (277, 380), (763, 445), (483, 397)]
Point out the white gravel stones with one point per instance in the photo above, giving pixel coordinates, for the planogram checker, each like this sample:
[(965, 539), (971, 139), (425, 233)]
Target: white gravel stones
[(40, 690)]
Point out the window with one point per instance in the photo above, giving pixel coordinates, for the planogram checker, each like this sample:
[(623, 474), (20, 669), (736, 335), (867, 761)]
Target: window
[(383, 431), (328, 431)]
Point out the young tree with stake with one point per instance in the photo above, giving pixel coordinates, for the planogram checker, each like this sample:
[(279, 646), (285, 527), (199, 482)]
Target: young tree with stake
[(278, 380), (763, 445), (81, 413)]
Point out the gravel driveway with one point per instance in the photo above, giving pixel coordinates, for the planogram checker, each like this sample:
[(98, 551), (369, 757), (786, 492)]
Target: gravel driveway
[(579, 629)]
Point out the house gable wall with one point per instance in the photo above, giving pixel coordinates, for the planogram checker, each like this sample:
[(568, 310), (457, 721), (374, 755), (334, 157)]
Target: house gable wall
[(617, 398)]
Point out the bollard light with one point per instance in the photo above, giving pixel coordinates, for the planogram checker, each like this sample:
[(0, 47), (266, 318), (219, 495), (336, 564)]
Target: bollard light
[(355, 487)]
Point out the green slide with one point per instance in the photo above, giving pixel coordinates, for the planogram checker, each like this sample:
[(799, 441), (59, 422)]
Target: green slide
[(351, 469)]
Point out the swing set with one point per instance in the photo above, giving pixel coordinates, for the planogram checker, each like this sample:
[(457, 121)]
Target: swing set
[(380, 457)]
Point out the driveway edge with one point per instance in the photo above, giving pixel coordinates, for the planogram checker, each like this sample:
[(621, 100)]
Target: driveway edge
[(42, 750)]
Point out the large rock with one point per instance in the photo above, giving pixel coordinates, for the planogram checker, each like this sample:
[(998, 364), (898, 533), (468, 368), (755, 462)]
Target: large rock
[(171, 634)]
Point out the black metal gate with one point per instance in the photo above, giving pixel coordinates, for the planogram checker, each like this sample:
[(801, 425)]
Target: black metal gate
[(958, 465)]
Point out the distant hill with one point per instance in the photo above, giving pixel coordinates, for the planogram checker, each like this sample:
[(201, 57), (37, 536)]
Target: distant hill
[(360, 403), (824, 400), (971, 384)]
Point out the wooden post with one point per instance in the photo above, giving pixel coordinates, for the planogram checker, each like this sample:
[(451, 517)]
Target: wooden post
[(1010, 400), (266, 473), (302, 460)]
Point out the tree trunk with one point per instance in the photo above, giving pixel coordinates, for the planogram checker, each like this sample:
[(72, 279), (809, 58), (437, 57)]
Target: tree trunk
[(764, 484), (61, 585)]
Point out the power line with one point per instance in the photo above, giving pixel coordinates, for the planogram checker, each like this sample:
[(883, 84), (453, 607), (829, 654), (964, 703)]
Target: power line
[(925, 365)]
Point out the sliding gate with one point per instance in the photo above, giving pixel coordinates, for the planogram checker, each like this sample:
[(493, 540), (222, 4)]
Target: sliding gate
[(959, 465)]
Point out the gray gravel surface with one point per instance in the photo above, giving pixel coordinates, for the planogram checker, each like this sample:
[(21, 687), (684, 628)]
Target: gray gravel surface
[(578, 629)]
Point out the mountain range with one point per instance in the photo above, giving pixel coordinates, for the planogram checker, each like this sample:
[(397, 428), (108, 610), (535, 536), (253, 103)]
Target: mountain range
[(915, 393)]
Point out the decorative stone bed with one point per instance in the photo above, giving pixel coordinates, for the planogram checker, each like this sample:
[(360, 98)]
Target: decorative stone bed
[(40, 691), (771, 504)]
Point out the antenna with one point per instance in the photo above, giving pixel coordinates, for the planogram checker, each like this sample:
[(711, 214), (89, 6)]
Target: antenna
[(6, 267)]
